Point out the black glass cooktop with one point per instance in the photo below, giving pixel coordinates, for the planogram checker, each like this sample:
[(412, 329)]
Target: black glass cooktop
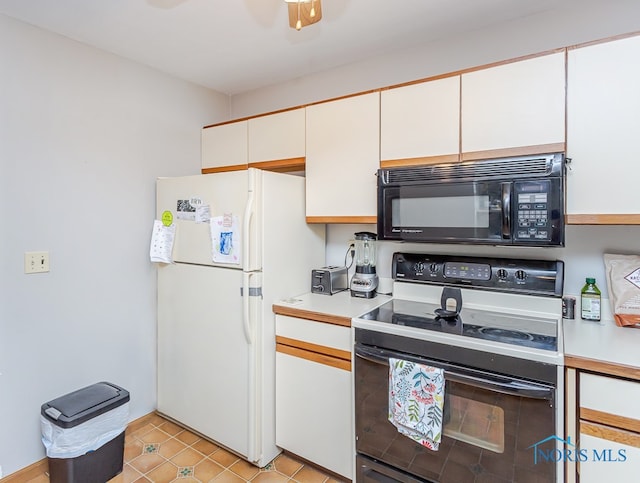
[(505, 328)]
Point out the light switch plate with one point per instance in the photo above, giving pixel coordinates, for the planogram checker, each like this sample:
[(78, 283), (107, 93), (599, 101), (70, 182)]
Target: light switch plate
[(36, 262)]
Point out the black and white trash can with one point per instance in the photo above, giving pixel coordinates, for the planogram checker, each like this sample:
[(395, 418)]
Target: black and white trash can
[(83, 433)]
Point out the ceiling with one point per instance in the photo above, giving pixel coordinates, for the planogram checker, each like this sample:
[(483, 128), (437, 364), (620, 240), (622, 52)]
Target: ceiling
[(234, 46)]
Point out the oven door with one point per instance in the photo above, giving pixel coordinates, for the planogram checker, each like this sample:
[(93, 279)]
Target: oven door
[(470, 212), (490, 426)]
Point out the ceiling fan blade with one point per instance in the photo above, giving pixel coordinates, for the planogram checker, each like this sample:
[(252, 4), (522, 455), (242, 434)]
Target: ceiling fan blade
[(305, 13)]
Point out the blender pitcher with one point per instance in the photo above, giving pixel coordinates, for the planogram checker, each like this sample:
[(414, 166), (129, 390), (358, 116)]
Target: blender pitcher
[(365, 281)]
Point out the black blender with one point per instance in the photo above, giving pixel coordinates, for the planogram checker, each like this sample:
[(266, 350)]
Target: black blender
[(365, 281)]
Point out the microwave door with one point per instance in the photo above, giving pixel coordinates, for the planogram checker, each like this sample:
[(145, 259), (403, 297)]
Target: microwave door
[(469, 212)]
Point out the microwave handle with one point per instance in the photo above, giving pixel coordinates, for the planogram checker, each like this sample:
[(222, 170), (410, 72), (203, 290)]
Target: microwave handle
[(506, 211)]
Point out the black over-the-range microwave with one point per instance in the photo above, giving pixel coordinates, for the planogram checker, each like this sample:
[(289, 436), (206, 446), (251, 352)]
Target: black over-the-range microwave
[(506, 201)]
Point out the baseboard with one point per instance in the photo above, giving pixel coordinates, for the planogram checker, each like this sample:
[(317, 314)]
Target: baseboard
[(42, 466), (28, 473)]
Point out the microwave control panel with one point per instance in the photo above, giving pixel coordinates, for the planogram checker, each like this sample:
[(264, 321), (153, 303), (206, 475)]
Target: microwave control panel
[(533, 216)]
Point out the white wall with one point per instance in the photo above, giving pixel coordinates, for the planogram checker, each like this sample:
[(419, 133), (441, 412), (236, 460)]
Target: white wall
[(569, 23), (582, 253), (83, 136)]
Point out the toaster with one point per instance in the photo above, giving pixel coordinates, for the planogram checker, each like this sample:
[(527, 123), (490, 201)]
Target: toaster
[(329, 280)]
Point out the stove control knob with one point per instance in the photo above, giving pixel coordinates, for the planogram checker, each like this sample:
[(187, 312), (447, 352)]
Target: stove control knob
[(433, 268), (521, 275), (419, 267), (502, 274)]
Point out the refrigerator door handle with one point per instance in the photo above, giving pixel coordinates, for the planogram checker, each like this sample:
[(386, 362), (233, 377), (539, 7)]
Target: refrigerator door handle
[(246, 316), (252, 397)]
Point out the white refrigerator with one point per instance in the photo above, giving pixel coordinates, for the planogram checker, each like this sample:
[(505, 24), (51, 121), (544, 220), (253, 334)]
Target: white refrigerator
[(216, 329)]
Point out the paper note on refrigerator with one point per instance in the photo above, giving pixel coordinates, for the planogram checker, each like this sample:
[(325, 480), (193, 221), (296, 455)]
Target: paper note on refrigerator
[(162, 242), (203, 214), (225, 239)]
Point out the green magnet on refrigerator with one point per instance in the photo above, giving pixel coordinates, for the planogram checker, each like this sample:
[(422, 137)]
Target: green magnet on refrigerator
[(167, 218)]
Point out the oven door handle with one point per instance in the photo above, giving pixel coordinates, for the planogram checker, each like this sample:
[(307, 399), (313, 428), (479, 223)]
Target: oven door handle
[(513, 387)]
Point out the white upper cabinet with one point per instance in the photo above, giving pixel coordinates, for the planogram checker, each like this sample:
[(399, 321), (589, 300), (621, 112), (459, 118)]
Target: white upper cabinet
[(277, 137), (224, 147), (343, 155), (420, 123), (603, 105), (517, 105)]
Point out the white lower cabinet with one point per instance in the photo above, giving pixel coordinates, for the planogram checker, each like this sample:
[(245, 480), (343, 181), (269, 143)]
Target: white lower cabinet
[(313, 393), (603, 428), (607, 459)]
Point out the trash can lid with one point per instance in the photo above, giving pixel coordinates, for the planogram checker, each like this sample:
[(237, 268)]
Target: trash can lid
[(83, 404)]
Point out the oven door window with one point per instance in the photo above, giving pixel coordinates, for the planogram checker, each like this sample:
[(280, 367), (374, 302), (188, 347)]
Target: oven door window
[(478, 423), (487, 432), (445, 212)]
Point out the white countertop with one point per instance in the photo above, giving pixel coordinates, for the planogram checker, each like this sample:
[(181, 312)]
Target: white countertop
[(341, 304), (602, 341)]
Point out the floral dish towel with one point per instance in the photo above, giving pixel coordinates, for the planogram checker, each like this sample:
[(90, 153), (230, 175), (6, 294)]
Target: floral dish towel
[(416, 401)]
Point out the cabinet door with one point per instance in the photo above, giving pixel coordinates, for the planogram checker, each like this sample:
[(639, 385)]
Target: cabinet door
[(610, 455), (224, 147), (420, 123), (277, 137), (343, 155), (519, 107), (313, 412), (603, 101), (313, 392)]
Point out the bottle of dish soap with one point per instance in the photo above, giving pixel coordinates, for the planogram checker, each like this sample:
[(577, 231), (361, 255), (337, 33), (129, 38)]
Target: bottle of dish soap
[(590, 300)]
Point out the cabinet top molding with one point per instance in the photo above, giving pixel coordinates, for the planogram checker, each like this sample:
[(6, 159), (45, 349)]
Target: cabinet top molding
[(603, 41), (436, 77)]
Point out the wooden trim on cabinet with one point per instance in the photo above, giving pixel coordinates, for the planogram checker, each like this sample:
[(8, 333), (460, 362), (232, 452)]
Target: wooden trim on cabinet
[(314, 357), (608, 368), (426, 160), (394, 86), (311, 347), (603, 219), (343, 219), (246, 118), (475, 68), (610, 434), (603, 41), (310, 315), (601, 417), (281, 165), (511, 152), (224, 169), (434, 77)]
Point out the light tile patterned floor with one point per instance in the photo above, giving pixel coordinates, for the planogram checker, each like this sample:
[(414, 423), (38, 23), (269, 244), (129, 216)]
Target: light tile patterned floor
[(160, 451)]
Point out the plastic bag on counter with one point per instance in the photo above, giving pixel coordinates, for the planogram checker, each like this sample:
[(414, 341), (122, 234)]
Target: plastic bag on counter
[(623, 282)]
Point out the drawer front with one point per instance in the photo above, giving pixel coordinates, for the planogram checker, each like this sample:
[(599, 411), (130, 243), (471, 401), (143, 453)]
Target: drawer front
[(313, 332), (610, 395)]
